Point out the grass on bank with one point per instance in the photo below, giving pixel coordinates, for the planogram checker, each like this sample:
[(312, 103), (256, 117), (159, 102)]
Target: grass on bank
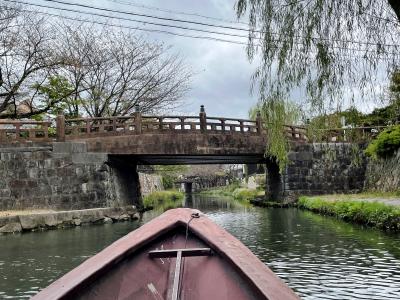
[(243, 194), (374, 214), (234, 190), (163, 200), (362, 196), (222, 191)]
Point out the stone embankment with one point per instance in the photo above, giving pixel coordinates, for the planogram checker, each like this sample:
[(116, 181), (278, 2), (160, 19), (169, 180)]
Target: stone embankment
[(383, 174), (63, 219)]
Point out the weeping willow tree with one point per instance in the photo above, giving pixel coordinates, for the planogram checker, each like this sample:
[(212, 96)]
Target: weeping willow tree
[(276, 113), (331, 50), (334, 53)]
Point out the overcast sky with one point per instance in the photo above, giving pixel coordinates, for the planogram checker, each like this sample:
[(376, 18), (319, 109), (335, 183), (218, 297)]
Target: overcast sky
[(222, 80), (222, 70)]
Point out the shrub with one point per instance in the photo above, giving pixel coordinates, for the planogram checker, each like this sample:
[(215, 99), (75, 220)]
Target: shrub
[(385, 144), (369, 213), (222, 190), (167, 181), (161, 197), (242, 194)]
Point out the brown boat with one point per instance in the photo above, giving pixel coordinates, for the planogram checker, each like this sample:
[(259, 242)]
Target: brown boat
[(179, 255)]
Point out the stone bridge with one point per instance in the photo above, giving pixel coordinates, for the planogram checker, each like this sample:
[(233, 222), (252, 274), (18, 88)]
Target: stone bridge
[(91, 162), (157, 139)]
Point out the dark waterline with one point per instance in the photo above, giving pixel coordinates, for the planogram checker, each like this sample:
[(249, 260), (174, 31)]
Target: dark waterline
[(319, 257)]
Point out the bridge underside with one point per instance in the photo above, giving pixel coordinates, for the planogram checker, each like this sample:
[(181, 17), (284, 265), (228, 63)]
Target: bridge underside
[(188, 159)]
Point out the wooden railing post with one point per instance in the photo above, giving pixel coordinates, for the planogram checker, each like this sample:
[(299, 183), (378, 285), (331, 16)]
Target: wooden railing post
[(46, 130), (259, 123), (88, 130), (18, 131), (222, 125), (138, 120), (60, 127), (114, 124), (241, 126), (182, 123), (203, 119)]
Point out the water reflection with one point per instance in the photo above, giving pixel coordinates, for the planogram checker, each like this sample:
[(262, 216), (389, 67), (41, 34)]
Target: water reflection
[(321, 258)]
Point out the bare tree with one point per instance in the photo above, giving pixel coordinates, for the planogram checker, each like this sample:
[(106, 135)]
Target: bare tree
[(114, 71), (28, 57), (83, 70)]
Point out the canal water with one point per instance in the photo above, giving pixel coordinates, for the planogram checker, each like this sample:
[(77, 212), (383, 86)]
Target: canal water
[(319, 257)]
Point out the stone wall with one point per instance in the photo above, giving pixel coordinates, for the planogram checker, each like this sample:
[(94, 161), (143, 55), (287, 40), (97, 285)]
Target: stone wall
[(383, 174), (60, 176), (323, 168), (194, 184), (65, 176), (150, 183), (204, 183), (52, 220)]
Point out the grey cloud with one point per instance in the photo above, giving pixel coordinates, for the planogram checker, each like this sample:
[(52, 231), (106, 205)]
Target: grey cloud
[(222, 80)]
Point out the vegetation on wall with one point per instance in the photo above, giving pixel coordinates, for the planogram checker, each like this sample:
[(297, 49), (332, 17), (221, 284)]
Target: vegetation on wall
[(386, 143)]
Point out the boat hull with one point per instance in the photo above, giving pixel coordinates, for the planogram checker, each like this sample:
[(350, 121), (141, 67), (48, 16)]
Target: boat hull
[(126, 270)]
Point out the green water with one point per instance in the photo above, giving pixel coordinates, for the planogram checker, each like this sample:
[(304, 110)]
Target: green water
[(319, 257)]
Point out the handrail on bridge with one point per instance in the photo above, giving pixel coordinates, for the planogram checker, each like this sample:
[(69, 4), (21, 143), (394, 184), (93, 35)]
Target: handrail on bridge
[(24, 130), (81, 128), (138, 124)]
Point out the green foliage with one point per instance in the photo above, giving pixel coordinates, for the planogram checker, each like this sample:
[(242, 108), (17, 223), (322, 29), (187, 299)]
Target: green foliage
[(52, 131), (169, 174), (223, 191), (369, 213), (163, 200), (309, 45), (261, 181), (327, 121), (382, 116), (385, 144), (234, 190), (243, 194), (167, 181), (276, 113), (56, 92)]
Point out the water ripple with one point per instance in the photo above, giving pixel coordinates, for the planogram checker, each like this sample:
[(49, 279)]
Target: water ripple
[(319, 257)]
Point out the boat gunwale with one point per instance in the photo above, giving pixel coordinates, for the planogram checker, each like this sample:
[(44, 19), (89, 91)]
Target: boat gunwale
[(255, 272)]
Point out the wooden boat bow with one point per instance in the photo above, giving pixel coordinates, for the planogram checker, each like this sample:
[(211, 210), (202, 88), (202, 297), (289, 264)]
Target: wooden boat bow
[(145, 242)]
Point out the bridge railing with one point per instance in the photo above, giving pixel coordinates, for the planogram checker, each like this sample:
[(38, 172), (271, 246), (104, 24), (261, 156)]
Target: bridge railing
[(90, 127), (231, 125), (298, 133), (137, 124), (35, 131), (81, 128), (170, 123)]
